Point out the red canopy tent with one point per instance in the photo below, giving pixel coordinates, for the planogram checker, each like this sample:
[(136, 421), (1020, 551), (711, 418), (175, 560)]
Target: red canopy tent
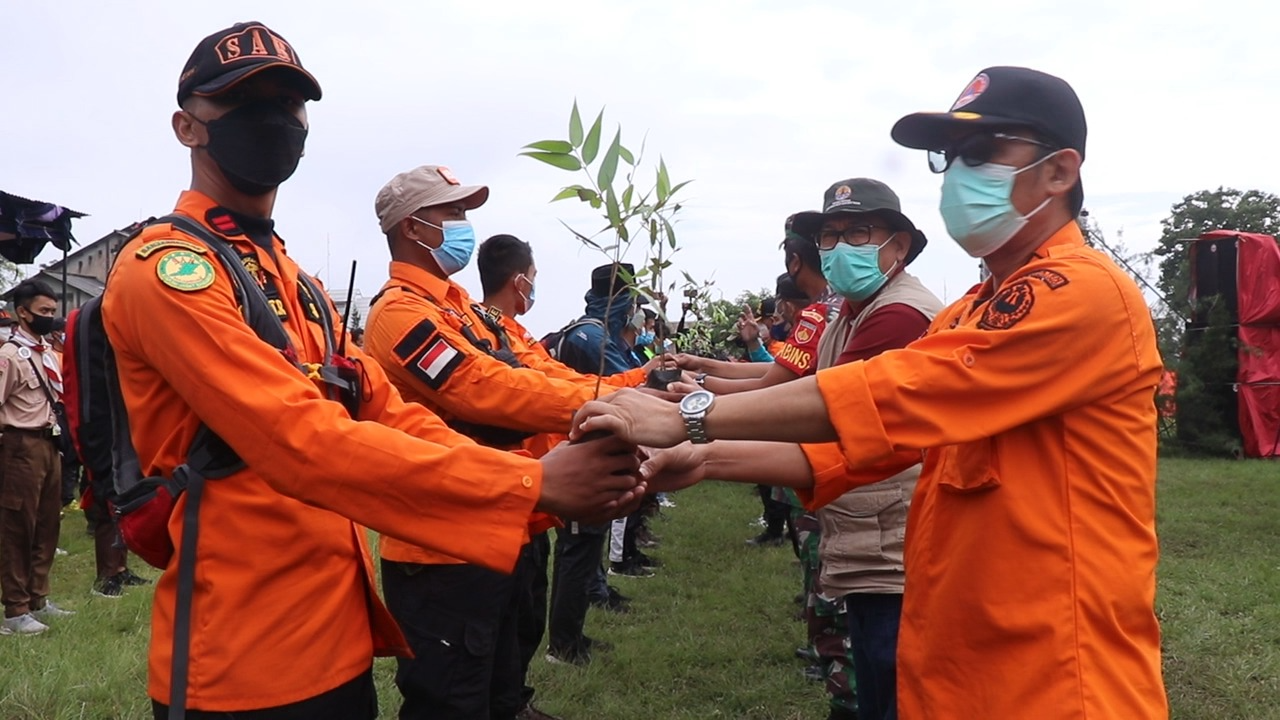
[(1245, 269)]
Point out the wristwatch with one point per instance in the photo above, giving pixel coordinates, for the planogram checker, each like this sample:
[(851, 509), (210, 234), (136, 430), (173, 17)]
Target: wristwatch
[(694, 408), (701, 379)]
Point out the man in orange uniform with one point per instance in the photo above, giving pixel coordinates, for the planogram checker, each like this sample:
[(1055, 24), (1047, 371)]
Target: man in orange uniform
[(1031, 546), (434, 343), (291, 631)]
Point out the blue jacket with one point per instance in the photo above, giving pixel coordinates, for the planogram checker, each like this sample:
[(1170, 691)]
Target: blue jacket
[(582, 344)]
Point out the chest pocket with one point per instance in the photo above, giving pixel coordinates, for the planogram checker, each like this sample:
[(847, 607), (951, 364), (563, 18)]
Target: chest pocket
[(969, 468)]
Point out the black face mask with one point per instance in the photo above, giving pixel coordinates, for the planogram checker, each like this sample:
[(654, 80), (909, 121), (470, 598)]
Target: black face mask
[(256, 146), (40, 325)]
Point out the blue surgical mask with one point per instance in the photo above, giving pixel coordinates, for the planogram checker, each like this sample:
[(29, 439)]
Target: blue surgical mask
[(459, 242), (779, 332), (853, 271), (977, 206), (645, 338)]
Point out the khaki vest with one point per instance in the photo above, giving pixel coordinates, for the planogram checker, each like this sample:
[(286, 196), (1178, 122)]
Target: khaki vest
[(863, 530)]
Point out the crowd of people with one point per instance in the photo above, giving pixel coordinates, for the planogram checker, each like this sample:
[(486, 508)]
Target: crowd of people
[(971, 504)]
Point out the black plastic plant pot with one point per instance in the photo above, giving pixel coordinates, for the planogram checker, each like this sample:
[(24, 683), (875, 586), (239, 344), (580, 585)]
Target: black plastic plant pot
[(660, 378)]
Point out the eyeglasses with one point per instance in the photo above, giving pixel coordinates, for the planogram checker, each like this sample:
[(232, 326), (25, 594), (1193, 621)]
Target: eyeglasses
[(977, 150), (853, 235)]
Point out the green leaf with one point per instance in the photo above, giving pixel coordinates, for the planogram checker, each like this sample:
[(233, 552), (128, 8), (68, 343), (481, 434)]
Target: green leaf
[(676, 189), (565, 194), (626, 197), (552, 146), (575, 126), (671, 233), (653, 231), (588, 195), (664, 181), (624, 234), (591, 147), (626, 156), (611, 207), (580, 236), (560, 160), (609, 165)]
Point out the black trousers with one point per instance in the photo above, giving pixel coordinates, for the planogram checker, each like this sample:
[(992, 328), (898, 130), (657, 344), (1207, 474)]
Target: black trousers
[(578, 557), (531, 605), (775, 513), (460, 621), (353, 700)]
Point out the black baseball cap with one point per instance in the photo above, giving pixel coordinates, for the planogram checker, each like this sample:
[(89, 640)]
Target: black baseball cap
[(238, 52), (860, 195), (1003, 97), (787, 289)]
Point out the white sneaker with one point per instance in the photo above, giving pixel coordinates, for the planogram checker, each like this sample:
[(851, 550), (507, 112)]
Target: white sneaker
[(50, 610), (24, 625)]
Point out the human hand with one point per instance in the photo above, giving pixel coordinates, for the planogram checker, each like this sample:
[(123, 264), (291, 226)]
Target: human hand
[(748, 326), (591, 481), (692, 363), (673, 469), (633, 416), (661, 360)]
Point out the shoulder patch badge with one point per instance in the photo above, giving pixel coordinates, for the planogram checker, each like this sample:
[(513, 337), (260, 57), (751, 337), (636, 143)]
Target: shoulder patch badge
[(185, 270), (149, 249), (1008, 307), (805, 332), (1052, 278), (435, 363)]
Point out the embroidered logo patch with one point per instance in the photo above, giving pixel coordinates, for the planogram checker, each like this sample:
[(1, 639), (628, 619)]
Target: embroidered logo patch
[(149, 249), (805, 332), (1008, 307), (185, 270), (1052, 278), (975, 88)]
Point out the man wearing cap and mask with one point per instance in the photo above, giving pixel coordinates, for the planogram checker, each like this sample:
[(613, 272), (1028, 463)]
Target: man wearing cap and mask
[(866, 243), (1031, 545), (443, 350), (292, 632)]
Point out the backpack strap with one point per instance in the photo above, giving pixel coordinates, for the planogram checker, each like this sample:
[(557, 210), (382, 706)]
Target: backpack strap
[(568, 330)]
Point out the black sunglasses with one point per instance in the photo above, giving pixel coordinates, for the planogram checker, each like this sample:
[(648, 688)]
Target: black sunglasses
[(978, 149)]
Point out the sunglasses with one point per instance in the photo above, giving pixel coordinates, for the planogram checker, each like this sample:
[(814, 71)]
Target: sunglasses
[(978, 149)]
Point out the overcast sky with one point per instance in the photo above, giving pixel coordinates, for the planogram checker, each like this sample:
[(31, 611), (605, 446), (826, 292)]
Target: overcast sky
[(761, 104)]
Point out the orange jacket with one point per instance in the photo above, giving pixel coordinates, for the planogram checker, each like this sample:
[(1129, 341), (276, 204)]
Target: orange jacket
[(284, 606), (1031, 545), (416, 333)]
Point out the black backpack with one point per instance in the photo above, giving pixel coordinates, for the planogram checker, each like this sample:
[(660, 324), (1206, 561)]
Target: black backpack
[(99, 427), (555, 345)]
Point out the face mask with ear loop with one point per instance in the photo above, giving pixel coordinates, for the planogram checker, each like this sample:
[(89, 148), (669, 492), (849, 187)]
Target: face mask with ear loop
[(528, 299), (977, 205), (455, 251)]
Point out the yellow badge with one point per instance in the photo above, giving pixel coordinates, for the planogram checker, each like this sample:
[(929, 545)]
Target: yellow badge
[(185, 270), (150, 248), (966, 116)]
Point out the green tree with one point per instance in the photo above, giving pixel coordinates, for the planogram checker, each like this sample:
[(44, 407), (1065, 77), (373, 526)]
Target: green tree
[(1198, 341)]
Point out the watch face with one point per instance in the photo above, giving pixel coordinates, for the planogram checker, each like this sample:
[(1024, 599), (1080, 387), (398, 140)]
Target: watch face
[(696, 401)]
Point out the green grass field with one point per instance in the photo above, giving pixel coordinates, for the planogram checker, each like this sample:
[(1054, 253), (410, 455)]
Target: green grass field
[(712, 635)]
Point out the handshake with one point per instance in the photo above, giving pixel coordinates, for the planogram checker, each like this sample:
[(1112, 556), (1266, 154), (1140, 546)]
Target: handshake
[(614, 459)]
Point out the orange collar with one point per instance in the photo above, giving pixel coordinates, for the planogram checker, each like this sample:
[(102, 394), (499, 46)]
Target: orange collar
[(443, 290), (1068, 237)]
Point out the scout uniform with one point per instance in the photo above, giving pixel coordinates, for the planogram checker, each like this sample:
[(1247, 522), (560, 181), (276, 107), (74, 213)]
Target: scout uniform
[(30, 476)]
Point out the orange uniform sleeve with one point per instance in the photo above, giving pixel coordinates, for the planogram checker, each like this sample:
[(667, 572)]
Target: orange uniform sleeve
[(423, 350), (435, 488), (1036, 349), (832, 476), (538, 359)]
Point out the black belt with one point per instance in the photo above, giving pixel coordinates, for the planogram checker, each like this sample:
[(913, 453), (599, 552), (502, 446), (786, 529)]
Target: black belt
[(46, 433)]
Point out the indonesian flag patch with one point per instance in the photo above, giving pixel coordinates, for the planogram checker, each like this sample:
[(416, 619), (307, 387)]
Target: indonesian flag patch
[(437, 362)]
